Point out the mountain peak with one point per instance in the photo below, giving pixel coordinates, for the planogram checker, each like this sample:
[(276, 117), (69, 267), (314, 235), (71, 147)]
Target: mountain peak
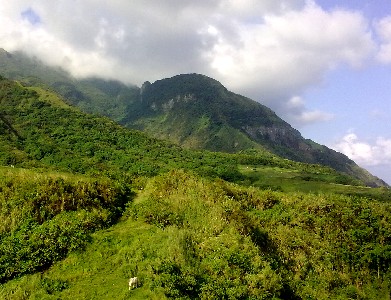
[(4, 53), (195, 84)]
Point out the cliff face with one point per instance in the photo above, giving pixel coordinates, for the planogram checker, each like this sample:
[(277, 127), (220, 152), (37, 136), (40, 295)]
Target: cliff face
[(181, 107), (279, 135)]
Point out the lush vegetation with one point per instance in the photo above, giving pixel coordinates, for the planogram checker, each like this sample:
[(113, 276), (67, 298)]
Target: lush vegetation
[(44, 216), (36, 132), (85, 204), (191, 110), (187, 237), (198, 112)]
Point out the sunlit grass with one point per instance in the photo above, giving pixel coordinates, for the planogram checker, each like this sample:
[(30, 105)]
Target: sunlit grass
[(51, 97), (184, 235), (291, 180)]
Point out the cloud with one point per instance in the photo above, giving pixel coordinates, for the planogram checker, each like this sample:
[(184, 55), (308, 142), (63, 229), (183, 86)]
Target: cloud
[(383, 28), (298, 113), (298, 46), (283, 54), (365, 153), (268, 50)]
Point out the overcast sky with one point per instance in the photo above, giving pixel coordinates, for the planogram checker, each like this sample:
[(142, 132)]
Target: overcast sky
[(324, 66)]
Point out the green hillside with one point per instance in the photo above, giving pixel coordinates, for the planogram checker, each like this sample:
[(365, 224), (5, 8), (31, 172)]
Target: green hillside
[(38, 130), (85, 204), (193, 111), (187, 237)]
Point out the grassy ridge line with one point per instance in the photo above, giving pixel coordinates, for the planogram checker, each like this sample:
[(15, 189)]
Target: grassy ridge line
[(51, 97), (191, 238)]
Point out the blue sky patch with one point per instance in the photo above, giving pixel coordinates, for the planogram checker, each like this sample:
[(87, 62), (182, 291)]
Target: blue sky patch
[(31, 16)]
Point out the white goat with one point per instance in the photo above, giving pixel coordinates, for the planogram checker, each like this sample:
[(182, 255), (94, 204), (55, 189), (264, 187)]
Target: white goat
[(133, 282)]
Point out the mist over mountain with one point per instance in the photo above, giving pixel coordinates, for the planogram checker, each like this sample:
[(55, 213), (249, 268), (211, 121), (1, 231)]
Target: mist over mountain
[(191, 110), (93, 95)]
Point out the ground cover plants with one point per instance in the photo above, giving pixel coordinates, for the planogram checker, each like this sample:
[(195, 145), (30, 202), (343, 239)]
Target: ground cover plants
[(45, 216), (86, 204), (187, 237)]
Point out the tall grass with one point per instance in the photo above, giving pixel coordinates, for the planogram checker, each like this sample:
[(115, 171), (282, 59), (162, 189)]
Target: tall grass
[(47, 215), (188, 237)]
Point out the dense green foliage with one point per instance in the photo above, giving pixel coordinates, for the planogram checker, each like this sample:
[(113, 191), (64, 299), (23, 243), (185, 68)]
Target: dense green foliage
[(69, 140), (85, 204), (44, 216), (236, 243), (38, 133), (186, 237)]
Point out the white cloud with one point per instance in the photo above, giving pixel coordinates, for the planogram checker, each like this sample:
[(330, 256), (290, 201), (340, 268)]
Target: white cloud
[(248, 9), (298, 114), (282, 54), (365, 153), (268, 50), (383, 28), (307, 117), (287, 52), (130, 41)]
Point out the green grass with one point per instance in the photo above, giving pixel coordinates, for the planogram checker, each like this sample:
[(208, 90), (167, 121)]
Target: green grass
[(188, 237), (293, 180), (143, 207), (51, 97), (100, 272)]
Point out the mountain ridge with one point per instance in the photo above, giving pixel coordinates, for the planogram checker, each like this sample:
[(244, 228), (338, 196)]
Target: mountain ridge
[(235, 123), (191, 110)]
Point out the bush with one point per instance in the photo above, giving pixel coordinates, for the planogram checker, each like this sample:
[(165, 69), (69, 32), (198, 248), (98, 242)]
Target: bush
[(46, 217)]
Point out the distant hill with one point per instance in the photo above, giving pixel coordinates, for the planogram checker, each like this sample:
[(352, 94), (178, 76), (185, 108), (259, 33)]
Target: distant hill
[(38, 130), (191, 110)]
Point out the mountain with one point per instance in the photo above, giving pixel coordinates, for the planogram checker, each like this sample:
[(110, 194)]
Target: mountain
[(37, 129), (191, 110), (196, 111), (78, 190)]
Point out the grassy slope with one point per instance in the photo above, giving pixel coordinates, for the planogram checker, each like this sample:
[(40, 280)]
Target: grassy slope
[(296, 180), (46, 215), (185, 236)]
